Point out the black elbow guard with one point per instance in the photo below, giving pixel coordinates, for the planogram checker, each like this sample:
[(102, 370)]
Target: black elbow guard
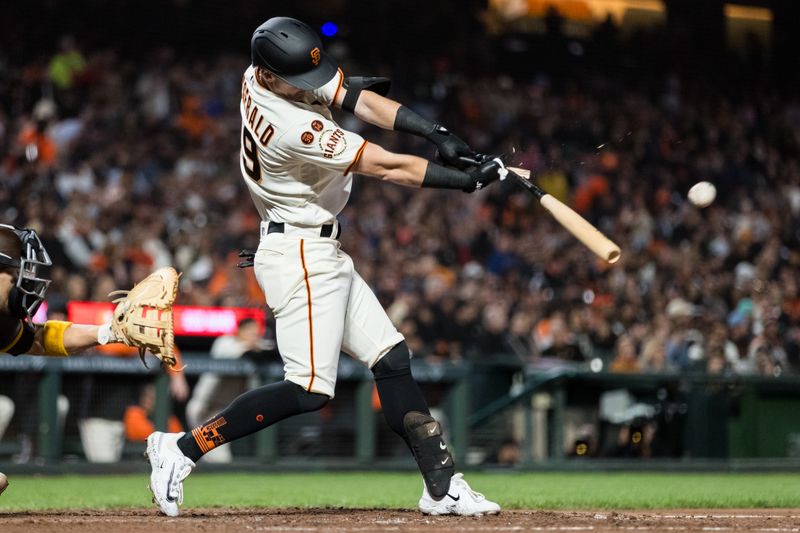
[(355, 84)]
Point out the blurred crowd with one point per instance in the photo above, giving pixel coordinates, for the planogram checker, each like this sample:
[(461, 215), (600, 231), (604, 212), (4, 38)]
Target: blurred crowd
[(125, 166)]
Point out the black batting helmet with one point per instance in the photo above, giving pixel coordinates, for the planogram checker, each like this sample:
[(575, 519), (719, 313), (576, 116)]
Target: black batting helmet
[(292, 51), (21, 255)]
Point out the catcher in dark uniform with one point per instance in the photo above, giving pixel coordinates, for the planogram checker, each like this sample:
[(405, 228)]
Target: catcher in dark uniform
[(22, 291), (142, 317)]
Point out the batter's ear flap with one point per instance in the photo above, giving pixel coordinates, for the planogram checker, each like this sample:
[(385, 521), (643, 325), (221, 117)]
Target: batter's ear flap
[(355, 84)]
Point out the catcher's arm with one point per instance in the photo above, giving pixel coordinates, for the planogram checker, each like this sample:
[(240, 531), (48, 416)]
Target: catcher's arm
[(57, 338), (53, 338), (142, 318)]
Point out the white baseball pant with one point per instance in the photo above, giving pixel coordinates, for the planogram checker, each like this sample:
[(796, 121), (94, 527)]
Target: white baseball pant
[(321, 307)]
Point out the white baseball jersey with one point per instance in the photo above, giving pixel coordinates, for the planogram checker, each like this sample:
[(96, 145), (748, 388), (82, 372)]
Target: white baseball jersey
[(296, 162), (295, 159)]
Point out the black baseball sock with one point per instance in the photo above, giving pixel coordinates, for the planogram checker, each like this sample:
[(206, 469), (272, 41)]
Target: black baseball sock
[(398, 391), (250, 412), (406, 412)]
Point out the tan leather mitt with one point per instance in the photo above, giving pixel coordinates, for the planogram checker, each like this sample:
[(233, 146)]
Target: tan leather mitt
[(143, 316)]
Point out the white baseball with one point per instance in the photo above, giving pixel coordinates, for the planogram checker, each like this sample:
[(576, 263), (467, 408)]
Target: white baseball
[(3, 482), (702, 194)]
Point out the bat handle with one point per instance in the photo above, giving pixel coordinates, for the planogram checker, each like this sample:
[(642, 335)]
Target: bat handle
[(528, 184)]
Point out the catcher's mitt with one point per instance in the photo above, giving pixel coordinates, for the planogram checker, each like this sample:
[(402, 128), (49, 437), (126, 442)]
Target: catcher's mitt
[(143, 316)]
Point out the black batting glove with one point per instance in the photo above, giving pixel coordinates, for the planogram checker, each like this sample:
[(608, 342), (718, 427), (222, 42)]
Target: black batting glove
[(485, 174), (249, 259), (452, 150)]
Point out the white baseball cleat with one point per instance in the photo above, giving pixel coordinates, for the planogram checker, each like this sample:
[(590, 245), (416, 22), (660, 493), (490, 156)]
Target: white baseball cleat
[(460, 500), (170, 468)]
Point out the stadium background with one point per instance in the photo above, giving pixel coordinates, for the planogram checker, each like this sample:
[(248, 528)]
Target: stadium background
[(119, 143)]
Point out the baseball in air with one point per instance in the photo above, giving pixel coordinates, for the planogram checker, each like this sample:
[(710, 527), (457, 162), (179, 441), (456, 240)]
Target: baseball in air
[(702, 194)]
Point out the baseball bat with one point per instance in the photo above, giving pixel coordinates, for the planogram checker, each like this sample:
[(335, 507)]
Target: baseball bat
[(590, 236)]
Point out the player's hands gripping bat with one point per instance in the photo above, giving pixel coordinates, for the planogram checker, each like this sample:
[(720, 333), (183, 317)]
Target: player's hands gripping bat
[(143, 316), (572, 221), (452, 150), (487, 172)]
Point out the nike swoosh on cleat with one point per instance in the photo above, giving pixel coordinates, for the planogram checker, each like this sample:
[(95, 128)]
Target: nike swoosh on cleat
[(454, 498), (445, 460), (442, 446), (170, 498)]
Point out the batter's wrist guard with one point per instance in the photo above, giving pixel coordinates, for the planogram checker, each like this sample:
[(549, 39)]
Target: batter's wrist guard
[(424, 435), (355, 84), (409, 121), (439, 177)]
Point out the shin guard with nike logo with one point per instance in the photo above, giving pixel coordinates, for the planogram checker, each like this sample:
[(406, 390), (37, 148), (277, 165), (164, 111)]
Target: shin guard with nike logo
[(424, 435)]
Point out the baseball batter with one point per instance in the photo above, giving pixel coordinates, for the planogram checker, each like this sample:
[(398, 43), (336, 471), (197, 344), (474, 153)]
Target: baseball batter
[(298, 165)]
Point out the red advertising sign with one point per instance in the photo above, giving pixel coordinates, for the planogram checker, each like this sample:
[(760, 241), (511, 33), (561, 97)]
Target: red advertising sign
[(189, 320)]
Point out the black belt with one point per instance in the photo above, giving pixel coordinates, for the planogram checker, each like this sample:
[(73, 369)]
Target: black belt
[(326, 230)]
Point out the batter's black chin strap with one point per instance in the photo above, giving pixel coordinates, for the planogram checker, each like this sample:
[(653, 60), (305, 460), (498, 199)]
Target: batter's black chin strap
[(355, 84)]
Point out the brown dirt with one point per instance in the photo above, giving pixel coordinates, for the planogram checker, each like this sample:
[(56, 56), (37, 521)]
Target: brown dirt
[(346, 520)]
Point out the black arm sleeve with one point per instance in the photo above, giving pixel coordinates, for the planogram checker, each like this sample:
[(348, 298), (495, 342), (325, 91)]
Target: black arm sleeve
[(439, 177), (410, 122), (16, 336), (452, 150)]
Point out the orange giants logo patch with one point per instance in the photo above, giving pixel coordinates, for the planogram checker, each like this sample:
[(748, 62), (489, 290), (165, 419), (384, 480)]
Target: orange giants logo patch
[(316, 125), (315, 56), (307, 137)]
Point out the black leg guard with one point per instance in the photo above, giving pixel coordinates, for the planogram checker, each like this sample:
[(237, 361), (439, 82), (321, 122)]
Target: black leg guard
[(407, 414), (424, 436)]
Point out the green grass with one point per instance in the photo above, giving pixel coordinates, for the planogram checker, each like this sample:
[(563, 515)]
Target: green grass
[(401, 490)]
